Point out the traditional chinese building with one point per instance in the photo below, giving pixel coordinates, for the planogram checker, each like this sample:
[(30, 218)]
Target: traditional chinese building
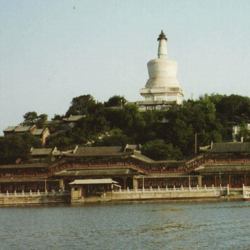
[(41, 133), (226, 164), (88, 170)]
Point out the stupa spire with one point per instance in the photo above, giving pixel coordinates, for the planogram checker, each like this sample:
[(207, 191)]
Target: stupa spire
[(162, 47)]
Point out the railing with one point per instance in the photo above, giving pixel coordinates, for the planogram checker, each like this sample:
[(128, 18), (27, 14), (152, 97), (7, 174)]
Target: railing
[(33, 194), (166, 171), (18, 175), (174, 189), (228, 161)]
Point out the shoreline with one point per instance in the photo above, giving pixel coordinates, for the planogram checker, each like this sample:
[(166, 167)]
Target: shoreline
[(77, 197), (130, 202)]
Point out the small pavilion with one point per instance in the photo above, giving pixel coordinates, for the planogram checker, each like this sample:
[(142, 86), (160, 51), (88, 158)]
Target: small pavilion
[(91, 188)]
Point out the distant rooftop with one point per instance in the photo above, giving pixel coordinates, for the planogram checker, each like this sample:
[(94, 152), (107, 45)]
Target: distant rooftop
[(96, 172), (10, 129), (93, 181), (131, 147), (73, 118), (22, 129), (18, 129), (230, 147), (41, 151), (99, 151), (38, 131), (222, 168)]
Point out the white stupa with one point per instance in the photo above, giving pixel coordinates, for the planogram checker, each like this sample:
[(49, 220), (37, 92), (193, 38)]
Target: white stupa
[(162, 88)]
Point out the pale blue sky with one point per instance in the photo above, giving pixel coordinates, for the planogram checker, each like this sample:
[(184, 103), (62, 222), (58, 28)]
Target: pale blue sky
[(52, 51)]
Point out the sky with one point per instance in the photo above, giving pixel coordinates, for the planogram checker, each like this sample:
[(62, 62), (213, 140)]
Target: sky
[(52, 51)]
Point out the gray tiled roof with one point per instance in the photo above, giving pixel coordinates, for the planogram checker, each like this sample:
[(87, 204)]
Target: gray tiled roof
[(222, 168), (10, 129), (231, 147), (142, 157), (22, 128), (38, 131), (131, 146), (41, 151), (99, 151), (73, 118), (96, 172), (92, 181)]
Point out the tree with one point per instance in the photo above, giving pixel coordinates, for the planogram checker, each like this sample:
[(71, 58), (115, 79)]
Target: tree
[(82, 105), (159, 150), (17, 146), (128, 119), (115, 101), (115, 137), (30, 118), (57, 117), (41, 120), (244, 132), (233, 108), (60, 140)]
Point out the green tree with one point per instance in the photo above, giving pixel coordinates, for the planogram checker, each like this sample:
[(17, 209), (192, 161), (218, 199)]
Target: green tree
[(244, 132), (41, 120), (30, 118), (115, 101), (115, 137), (233, 108), (15, 147), (159, 150), (82, 105), (61, 140)]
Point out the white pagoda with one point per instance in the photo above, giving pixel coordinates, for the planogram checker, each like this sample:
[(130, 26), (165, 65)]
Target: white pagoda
[(162, 88)]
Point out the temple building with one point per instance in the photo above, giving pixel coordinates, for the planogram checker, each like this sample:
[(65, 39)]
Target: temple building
[(162, 88)]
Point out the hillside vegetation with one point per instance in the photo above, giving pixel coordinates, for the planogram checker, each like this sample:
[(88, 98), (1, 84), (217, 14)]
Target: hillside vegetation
[(163, 134)]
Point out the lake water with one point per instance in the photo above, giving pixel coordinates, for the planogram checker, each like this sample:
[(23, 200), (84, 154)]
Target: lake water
[(158, 225)]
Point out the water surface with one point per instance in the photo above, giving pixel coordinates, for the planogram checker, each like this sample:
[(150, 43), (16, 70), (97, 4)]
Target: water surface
[(156, 225)]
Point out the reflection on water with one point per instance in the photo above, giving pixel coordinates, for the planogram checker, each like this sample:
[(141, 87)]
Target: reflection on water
[(128, 226)]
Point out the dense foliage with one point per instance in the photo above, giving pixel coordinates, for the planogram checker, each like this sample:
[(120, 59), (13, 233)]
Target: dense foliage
[(162, 134), (14, 147), (159, 150), (32, 118)]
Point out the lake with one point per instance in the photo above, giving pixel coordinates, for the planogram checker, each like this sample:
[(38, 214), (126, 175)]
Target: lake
[(142, 225)]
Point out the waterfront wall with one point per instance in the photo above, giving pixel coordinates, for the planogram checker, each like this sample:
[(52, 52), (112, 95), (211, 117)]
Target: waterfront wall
[(181, 193), (33, 198), (155, 194), (30, 198)]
